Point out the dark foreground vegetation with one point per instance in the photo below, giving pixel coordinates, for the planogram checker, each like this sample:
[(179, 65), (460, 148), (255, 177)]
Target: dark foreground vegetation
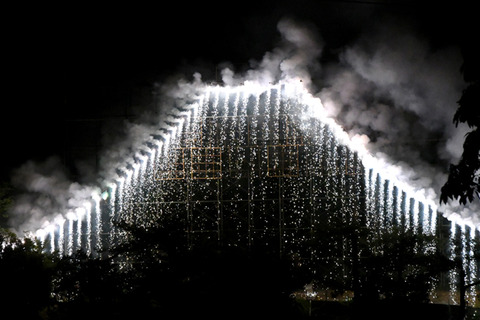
[(388, 310), (149, 278)]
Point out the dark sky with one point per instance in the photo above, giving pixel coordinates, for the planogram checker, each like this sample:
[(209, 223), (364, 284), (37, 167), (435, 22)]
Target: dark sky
[(65, 63)]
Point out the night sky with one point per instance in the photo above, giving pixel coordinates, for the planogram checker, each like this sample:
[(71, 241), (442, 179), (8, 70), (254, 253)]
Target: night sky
[(69, 63)]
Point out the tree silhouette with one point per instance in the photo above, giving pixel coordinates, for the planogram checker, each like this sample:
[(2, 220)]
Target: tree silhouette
[(463, 180), (169, 278), (26, 274)]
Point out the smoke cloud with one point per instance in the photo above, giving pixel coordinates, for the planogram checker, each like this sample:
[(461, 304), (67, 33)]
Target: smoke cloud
[(394, 87), (390, 87), (47, 193), (295, 57)]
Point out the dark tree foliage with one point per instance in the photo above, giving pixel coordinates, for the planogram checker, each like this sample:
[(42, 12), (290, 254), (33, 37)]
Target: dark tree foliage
[(395, 266), (25, 277), (463, 180), (402, 267), (167, 277)]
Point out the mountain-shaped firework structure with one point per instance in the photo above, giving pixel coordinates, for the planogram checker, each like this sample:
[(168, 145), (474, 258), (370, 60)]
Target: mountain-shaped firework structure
[(256, 167)]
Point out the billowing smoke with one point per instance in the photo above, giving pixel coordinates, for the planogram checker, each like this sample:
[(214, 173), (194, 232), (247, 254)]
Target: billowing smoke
[(47, 194), (394, 87), (390, 89), (296, 57)]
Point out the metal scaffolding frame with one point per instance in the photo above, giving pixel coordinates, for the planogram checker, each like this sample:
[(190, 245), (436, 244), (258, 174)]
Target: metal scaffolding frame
[(248, 182)]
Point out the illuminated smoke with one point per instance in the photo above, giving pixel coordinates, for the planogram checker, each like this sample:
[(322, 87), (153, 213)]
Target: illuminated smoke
[(402, 93)]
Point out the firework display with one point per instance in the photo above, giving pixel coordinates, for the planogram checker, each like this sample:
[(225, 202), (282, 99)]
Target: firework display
[(262, 168)]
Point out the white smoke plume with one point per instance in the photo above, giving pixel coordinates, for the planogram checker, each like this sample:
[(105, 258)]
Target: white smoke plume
[(295, 57), (47, 193), (390, 88), (401, 92)]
